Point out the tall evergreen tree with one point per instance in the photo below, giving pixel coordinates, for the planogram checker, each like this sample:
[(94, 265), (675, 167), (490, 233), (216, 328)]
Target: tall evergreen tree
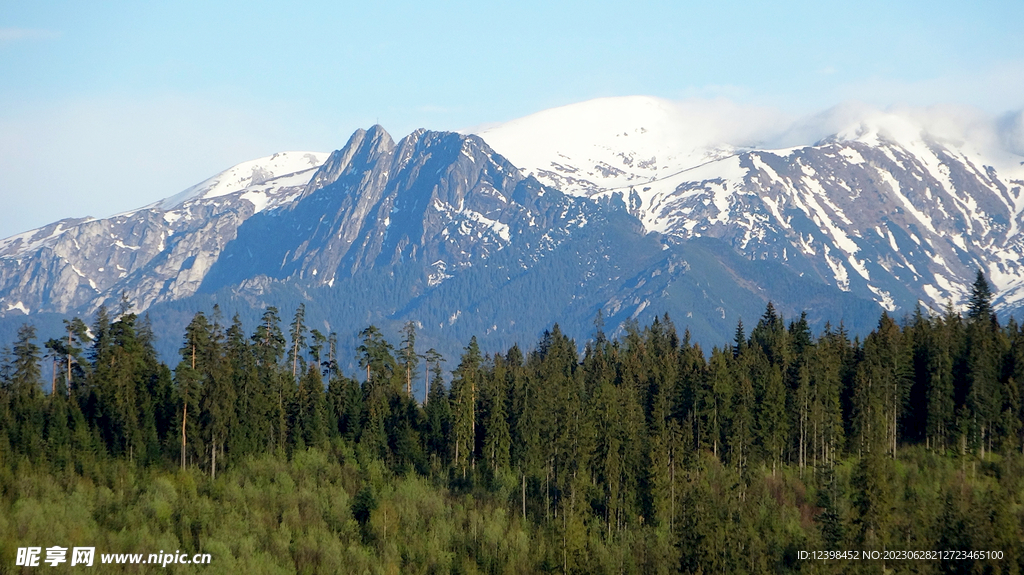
[(218, 394), (274, 387), (407, 354), (188, 375), (438, 413), (494, 420), (298, 336), (26, 397), (979, 307), (248, 434), (375, 355), (463, 398)]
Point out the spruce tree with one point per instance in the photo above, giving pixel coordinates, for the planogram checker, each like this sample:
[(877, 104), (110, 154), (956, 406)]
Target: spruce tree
[(270, 397), (218, 394), (188, 375), (407, 354), (298, 336), (438, 413), (26, 395), (979, 306), (463, 397), (375, 356)]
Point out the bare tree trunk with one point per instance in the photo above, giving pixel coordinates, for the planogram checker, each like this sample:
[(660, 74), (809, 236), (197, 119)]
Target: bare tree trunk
[(69, 364), (672, 480), (184, 417), (184, 413), (547, 493), (524, 496), (472, 422)]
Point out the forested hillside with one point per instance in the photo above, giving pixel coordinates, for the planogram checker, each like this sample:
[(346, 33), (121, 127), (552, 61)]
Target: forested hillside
[(639, 454)]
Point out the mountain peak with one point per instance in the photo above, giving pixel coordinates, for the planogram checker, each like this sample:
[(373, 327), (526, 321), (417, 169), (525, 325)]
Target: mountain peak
[(247, 174)]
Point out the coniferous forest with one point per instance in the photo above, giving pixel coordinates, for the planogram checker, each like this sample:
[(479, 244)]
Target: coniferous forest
[(639, 453)]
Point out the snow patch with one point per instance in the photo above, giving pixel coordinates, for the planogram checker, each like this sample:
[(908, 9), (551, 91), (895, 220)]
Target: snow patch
[(885, 300), (439, 274), (288, 168)]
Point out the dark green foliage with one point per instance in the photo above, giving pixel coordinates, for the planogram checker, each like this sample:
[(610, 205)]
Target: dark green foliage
[(641, 456), (979, 308)]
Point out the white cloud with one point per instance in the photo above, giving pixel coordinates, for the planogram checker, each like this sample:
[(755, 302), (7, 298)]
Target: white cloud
[(1010, 128), (98, 157)]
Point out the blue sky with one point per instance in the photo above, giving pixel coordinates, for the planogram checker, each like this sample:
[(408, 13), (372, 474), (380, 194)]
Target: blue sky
[(108, 106)]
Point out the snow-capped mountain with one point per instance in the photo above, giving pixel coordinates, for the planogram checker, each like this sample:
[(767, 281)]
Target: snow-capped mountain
[(436, 228), (435, 201), (160, 252), (632, 207), (897, 207)]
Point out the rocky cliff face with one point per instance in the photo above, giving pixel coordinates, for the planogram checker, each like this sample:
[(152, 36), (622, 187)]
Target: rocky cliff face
[(893, 224), (157, 253), (438, 202), (886, 207), (440, 229), (434, 201)]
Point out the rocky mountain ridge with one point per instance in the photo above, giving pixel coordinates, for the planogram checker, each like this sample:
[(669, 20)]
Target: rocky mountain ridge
[(160, 252), (441, 229), (886, 207)]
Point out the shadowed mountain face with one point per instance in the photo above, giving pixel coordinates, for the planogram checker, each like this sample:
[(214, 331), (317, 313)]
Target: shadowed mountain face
[(437, 229), (435, 201), (893, 207), (876, 221)]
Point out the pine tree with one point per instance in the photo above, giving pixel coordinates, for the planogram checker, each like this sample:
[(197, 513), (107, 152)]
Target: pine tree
[(298, 336), (309, 425), (773, 419), (375, 356), (407, 354), (438, 413), (125, 397), (273, 386), (979, 306), (463, 398), (69, 355), (984, 399), (741, 425), (245, 437), (770, 336), (739, 340), (940, 398), (497, 439), (218, 393), (188, 375), (26, 397), (825, 366), (716, 401)]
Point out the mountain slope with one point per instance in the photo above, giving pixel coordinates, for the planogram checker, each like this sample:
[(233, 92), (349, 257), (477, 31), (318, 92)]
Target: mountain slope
[(160, 252), (437, 229), (887, 206)]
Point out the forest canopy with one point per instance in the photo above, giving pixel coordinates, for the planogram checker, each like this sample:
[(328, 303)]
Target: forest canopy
[(640, 453)]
